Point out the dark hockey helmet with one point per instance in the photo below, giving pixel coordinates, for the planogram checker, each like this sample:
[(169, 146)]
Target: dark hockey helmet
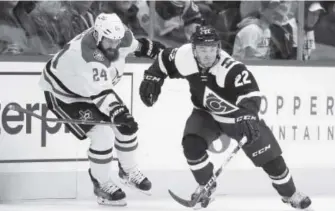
[(205, 35)]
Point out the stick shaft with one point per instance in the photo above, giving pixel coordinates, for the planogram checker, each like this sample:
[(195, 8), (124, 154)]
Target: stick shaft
[(68, 121)]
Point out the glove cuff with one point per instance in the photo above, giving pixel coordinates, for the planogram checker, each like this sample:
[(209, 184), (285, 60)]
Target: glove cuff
[(148, 48), (246, 118), (154, 77), (116, 110)]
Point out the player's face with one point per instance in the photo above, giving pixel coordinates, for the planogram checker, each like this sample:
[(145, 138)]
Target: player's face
[(109, 44), (206, 54), (110, 48)]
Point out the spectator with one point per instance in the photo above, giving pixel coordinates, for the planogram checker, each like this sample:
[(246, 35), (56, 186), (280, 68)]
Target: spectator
[(250, 8), (224, 17), (22, 12), (44, 17), (13, 39), (253, 39), (71, 19), (96, 7), (82, 9), (284, 29), (127, 11), (325, 33), (174, 20), (312, 14), (45, 26)]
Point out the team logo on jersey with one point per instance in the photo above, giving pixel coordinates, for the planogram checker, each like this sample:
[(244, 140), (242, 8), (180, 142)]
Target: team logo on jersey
[(216, 104), (117, 28), (98, 56), (85, 115), (117, 77)]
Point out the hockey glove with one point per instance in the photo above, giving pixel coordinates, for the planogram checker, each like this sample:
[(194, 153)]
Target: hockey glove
[(120, 115), (148, 48), (150, 88), (248, 125)]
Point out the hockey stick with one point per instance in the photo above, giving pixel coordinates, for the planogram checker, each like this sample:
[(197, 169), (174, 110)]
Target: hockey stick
[(194, 201), (69, 121)]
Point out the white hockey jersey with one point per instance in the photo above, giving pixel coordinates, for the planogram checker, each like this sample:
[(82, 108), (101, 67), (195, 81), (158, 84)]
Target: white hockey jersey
[(81, 73)]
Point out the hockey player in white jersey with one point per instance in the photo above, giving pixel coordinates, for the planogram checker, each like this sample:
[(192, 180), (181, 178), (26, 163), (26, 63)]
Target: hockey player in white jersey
[(78, 84)]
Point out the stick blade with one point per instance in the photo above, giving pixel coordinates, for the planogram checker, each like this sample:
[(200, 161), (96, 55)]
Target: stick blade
[(184, 202)]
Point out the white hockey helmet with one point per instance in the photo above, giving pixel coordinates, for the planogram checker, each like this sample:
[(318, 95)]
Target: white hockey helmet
[(109, 26)]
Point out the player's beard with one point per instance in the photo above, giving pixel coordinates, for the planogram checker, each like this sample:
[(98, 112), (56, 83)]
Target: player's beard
[(112, 54)]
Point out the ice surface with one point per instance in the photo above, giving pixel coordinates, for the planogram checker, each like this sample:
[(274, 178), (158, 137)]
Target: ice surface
[(222, 203)]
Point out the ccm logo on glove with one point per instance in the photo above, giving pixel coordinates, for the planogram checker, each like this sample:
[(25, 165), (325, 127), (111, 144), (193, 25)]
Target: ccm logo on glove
[(261, 151), (118, 111), (152, 78), (246, 117)]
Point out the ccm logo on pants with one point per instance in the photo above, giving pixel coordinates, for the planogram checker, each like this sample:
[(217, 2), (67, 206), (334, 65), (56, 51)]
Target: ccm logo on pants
[(261, 151)]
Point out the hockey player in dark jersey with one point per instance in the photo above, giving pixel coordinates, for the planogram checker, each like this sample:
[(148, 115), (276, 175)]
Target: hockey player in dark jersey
[(226, 99)]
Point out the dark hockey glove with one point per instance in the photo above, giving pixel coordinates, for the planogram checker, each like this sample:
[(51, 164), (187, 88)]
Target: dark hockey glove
[(120, 115), (248, 125), (150, 87), (148, 48)]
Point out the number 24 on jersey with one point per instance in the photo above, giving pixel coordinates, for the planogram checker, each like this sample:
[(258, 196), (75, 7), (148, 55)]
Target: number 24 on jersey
[(99, 74)]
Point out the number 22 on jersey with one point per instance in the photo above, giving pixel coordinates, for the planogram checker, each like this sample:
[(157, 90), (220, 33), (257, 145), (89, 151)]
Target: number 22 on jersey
[(242, 79)]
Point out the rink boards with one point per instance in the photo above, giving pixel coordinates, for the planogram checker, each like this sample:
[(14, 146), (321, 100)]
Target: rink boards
[(43, 160)]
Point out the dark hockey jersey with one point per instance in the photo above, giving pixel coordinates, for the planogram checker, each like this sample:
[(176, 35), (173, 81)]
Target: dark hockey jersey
[(219, 91)]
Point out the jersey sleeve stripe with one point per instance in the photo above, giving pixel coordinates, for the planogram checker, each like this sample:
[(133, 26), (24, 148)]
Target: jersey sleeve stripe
[(104, 92), (161, 63), (167, 62), (100, 101), (250, 94), (48, 80)]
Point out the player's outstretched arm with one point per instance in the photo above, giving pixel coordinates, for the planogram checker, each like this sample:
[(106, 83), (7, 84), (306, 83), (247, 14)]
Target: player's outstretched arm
[(164, 66), (248, 99), (148, 48), (151, 84)]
